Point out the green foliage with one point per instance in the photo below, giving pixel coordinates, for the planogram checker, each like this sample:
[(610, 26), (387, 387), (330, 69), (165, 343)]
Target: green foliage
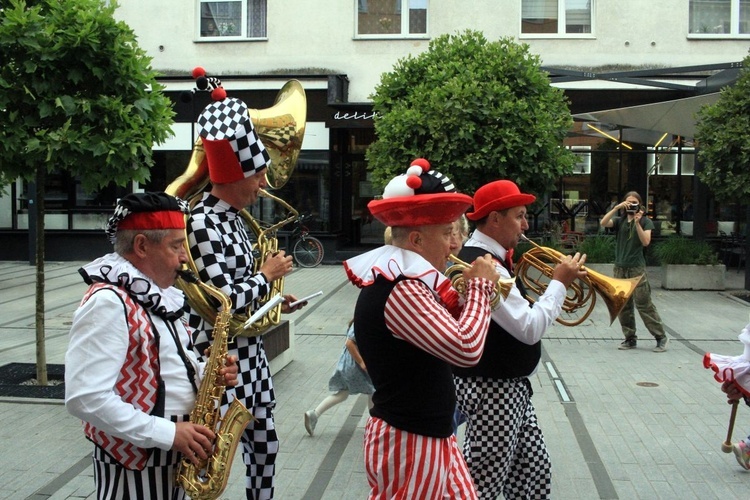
[(681, 250), (76, 94), (477, 110), (724, 139), (599, 249)]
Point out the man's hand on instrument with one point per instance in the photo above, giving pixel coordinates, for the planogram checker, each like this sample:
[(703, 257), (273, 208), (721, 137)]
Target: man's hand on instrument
[(194, 441), (569, 269), (276, 266), (482, 267), (229, 372)]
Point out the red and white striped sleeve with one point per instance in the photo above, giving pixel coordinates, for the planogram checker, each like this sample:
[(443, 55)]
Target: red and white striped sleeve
[(413, 314)]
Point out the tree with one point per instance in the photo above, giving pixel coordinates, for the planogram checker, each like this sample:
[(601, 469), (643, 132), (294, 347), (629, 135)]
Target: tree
[(77, 94), (723, 139), (477, 110)]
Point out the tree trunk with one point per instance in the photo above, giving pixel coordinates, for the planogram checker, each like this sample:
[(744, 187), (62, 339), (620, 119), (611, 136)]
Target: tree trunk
[(41, 355)]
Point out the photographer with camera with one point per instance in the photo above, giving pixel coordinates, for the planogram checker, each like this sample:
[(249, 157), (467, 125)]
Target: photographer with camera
[(632, 236)]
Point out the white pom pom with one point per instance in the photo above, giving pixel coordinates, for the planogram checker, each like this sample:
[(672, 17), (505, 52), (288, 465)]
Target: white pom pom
[(414, 170), (397, 187)]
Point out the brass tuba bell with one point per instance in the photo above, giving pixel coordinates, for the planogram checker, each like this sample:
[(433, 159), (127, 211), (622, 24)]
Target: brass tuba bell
[(281, 129)]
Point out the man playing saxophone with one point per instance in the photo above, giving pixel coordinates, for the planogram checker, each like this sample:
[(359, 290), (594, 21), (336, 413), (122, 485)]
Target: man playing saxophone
[(130, 372), (222, 252)]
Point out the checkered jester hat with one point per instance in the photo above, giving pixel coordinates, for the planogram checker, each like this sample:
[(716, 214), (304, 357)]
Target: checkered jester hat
[(233, 149)]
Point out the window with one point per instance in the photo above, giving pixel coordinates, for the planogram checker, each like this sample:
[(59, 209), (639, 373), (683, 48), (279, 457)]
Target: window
[(663, 161), (556, 17), (391, 18), (583, 162), (719, 18), (232, 19)]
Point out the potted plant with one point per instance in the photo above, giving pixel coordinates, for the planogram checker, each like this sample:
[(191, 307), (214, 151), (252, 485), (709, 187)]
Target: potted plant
[(689, 264), (600, 252)]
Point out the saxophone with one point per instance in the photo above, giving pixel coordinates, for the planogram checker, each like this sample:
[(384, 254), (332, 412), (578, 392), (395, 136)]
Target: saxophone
[(209, 479)]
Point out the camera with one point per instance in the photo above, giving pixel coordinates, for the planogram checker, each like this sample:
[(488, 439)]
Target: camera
[(633, 208)]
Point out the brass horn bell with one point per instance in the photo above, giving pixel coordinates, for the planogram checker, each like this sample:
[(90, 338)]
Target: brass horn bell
[(615, 292)]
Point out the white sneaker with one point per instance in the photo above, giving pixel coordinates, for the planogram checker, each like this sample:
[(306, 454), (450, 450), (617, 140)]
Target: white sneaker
[(311, 420)]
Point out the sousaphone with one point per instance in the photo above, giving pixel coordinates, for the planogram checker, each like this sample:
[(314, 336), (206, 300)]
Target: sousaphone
[(281, 129)]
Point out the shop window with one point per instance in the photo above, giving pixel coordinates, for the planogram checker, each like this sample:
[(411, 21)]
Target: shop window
[(391, 18), (307, 191), (719, 18), (66, 204), (232, 19), (583, 159), (556, 17), (663, 161)]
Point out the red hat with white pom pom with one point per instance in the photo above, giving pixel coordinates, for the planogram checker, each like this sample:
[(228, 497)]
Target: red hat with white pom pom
[(419, 197), (233, 149)]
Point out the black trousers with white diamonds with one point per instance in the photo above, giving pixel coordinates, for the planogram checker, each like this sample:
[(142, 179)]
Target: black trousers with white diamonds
[(503, 446)]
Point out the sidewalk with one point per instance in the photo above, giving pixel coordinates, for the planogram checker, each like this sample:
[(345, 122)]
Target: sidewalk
[(618, 424)]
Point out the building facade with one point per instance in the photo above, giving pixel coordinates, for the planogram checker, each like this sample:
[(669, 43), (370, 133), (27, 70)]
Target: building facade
[(607, 56)]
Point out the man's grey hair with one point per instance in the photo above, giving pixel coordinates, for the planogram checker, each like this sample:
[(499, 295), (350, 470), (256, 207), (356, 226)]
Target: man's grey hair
[(125, 238)]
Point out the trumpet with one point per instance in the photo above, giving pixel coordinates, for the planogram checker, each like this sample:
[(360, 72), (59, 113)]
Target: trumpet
[(455, 273), (615, 292)]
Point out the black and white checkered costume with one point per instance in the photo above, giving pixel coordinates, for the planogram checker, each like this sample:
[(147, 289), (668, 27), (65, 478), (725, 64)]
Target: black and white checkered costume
[(221, 249), (503, 445)]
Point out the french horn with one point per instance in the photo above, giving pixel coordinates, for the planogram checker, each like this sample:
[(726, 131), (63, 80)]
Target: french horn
[(502, 288), (281, 129), (580, 297)]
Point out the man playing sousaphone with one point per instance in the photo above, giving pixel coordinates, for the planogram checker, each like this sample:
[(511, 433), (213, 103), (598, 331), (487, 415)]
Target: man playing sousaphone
[(222, 252)]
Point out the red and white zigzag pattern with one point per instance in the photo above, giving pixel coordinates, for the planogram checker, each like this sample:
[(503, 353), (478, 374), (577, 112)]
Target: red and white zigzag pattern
[(137, 383)]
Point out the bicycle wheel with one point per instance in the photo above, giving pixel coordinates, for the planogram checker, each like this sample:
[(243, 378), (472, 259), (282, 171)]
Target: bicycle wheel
[(308, 252)]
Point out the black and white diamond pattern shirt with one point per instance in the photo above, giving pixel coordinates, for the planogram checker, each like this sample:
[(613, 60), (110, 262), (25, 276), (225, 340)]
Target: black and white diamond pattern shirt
[(222, 252)]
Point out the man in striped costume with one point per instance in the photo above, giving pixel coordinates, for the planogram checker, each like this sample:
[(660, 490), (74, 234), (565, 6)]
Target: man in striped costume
[(130, 373), (410, 329)]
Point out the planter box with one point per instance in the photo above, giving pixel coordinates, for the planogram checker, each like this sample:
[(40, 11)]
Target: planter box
[(606, 269), (278, 342), (693, 277)]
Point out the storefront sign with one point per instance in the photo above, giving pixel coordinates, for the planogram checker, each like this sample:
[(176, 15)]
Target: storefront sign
[(351, 119)]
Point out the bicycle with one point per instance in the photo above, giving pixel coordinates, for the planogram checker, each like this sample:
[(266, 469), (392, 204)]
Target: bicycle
[(307, 250)]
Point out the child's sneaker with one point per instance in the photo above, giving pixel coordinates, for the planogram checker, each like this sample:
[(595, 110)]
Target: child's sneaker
[(742, 454), (311, 420)]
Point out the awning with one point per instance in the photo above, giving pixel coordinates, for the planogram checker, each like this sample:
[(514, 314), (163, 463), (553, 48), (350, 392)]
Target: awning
[(677, 117)]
